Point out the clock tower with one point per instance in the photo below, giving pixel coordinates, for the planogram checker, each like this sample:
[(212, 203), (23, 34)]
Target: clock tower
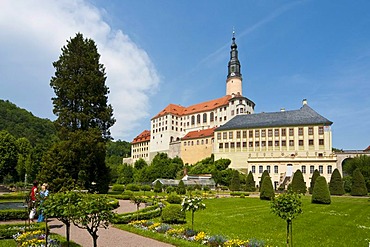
[(234, 77)]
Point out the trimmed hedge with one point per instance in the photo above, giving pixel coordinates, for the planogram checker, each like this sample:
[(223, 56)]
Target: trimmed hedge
[(174, 199), (133, 187), (13, 214), (238, 193), (267, 191), (8, 230), (127, 218), (14, 196), (118, 187), (173, 214)]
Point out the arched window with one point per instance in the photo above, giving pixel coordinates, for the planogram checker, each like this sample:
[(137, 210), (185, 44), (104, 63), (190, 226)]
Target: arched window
[(204, 117), (192, 120), (211, 116), (198, 118)]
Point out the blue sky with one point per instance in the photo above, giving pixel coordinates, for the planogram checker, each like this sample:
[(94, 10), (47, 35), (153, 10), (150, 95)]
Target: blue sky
[(165, 51)]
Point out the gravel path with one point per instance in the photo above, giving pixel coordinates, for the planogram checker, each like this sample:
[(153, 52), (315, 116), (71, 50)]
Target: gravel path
[(108, 237)]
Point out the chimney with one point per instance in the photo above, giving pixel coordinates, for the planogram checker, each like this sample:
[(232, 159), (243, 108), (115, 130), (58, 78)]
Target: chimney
[(304, 102)]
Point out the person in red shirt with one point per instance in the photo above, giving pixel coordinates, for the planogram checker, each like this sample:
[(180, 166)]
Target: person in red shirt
[(33, 199)]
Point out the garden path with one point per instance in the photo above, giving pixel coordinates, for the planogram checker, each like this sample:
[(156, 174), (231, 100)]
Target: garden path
[(108, 237)]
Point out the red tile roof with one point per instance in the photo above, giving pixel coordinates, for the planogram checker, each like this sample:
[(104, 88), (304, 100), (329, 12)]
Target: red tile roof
[(367, 149), (142, 137), (199, 134), (201, 107)]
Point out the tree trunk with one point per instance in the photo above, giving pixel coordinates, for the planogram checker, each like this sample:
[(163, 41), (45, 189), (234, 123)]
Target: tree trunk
[(192, 220), (95, 240), (68, 230), (287, 233), (291, 233)]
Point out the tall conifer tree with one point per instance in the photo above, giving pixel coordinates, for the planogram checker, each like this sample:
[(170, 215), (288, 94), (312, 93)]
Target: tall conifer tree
[(250, 184), (298, 183), (83, 116), (315, 175), (336, 185)]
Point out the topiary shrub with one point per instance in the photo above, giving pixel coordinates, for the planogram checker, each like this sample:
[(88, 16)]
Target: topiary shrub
[(133, 187), (298, 183), (170, 189), (264, 174), (174, 199), (358, 184), (173, 214), (321, 194), (118, 187), (315, 175), (267, 191), (157, 187), (235, 181), (181, 188), (250, 183), (146, 187), (336, 185)]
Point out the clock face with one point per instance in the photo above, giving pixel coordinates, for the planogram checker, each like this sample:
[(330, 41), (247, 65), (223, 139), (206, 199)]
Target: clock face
[(232, 74)]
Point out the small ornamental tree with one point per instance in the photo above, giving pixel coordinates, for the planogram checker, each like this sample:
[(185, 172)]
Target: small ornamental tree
[(287, 206), (92, 212), (181, 190), (298, 183), (250, 184), (336, 185), (321, 194), (358, 184), (137, 200), (235, 181), (264, 174), (315, 175), (61, 206), (193, 205), (267, 191)]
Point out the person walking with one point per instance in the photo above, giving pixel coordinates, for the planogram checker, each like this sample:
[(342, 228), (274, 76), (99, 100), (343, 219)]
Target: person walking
[(44, 193)]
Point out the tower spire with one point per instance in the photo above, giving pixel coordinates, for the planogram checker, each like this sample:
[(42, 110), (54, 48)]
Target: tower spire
[(234, 77)]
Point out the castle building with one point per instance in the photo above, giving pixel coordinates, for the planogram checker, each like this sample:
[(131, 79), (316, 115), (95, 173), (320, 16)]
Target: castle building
[(279, 142)]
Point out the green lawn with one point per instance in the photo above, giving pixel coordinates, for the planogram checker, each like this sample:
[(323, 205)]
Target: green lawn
[(346, 222)]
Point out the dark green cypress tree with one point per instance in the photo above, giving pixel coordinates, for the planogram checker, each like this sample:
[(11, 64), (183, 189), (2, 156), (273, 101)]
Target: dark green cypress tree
[(298, 183), (358, 184), (267, 190), (264, 174), (158, 187), (235, 181), (336, 185), (315, 175), (321, 194), (250, 183), (181, 190)]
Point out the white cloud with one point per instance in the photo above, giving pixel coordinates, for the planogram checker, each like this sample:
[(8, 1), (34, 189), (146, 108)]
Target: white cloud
[(33, 33)]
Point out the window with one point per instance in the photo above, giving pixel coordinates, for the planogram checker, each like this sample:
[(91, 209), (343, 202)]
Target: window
[(263, 133), (310, 130), (197, 142), (238, 144), (230, 135), (270, 132), (238, 134), (321, 169), (257, 144), (268, 168), (257, 133), (198, 118), (206, 141), (291, 132), (232, 112), (283, 132), (220, 145), (310, 142), (192, 143), (300, 142), (244, 134), (253, 169), (232, 145), (218, 136), (263, 144), (291, 143), (250, 133), (276, 169), (300, 131), (283, 143), (276, 132), (260, 169), (227, 145), (204, 117), (330, 168), (276, 143), (250, 144), (312, 169), (211, 116), (224, 135), (270, 143), (321, 141), (321, 130), (192, 120), (303, 168), (224, 118), (202, 142), (244, 144)]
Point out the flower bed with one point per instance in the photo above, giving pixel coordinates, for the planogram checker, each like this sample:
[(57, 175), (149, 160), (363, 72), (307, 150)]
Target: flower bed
[(34, 238), (191, 235)]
